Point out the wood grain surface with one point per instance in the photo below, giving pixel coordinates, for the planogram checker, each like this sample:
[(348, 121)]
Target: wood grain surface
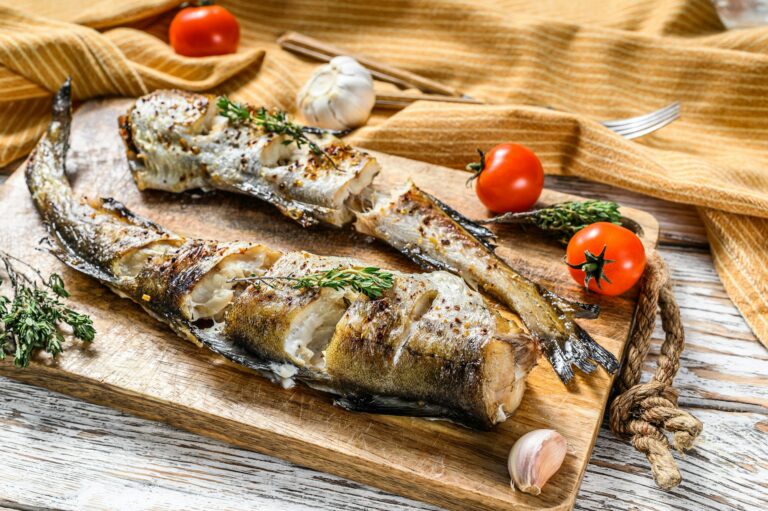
[(138, 366), (117, 461)]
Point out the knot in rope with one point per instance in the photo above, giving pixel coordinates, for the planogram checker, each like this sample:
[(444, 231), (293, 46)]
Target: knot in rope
[(643, 412)]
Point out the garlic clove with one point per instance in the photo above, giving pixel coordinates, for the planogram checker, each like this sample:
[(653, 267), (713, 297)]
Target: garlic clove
[(535, 458), (339, 95)]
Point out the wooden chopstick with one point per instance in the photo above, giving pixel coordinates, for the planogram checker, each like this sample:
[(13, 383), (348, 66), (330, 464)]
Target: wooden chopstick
[(396, 100), (310, 47)]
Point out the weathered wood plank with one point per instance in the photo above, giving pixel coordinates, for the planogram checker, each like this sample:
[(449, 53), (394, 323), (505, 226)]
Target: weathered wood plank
[(64, 453)]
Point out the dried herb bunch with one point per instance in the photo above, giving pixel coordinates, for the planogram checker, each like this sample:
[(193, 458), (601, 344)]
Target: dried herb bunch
[(34, 317)]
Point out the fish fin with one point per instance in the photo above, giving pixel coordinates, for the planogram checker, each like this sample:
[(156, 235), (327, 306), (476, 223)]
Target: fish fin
[(62, 251), (577, 352), (575, 309), (62, 114), (389, 405), (119, 209), (596, 352), (301, 213), (426, 262), (578, 347), (583, 310), (557, 358), (218, 344), (484, 235)]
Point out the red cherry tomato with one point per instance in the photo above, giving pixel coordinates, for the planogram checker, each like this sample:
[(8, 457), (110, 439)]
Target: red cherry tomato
[(606, 257), (204, 31), (510, 178)]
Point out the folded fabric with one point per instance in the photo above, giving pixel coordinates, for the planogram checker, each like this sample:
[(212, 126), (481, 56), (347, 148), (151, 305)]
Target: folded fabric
[(585, 60)]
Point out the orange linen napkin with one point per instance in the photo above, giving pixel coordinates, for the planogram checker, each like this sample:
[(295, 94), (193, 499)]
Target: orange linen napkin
[(592, 59)]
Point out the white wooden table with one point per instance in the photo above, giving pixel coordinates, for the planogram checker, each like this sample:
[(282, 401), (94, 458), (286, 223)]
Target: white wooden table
[(63, 453)]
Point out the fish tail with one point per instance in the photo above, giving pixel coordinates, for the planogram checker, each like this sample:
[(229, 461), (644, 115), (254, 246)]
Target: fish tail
[(596, 352), (556, 357)]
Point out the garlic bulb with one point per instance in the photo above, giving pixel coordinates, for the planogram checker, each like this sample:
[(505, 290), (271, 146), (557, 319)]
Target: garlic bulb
[(535, 457), (339, 95)]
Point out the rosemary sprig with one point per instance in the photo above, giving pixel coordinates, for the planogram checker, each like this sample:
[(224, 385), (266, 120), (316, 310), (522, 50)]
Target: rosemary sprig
[(369, 280), (277, 123), (565, 219), (34, 317)]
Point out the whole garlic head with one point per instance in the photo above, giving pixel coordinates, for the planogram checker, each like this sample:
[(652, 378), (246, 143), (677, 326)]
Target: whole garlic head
[(339, 95), (535, 457)]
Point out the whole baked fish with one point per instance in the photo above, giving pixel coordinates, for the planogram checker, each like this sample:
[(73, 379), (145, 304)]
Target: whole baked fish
[(180, 141), (426, 345)]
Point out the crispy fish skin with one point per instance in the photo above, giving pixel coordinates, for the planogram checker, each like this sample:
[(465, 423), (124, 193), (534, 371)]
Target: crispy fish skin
[(429, 350), (175, 142), (449, 355)]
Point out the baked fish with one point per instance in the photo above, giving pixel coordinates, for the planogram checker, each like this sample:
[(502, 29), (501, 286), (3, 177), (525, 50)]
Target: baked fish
[(423, 345), (180, 141)]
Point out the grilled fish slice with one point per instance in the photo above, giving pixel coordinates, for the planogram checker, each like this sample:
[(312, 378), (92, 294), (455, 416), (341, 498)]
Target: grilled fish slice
[(428, 346), (177, 141), (180, 143), (445, 240)]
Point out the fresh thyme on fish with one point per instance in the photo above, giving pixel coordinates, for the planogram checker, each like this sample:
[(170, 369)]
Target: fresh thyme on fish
[(276, 123), (32, 319), (370, 281), (563, 220)]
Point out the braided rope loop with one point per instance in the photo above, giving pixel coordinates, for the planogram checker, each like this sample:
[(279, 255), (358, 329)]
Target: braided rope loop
[(643, 412)]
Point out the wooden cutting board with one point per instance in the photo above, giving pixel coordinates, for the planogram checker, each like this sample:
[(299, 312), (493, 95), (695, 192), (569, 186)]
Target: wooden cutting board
[(138, 365)]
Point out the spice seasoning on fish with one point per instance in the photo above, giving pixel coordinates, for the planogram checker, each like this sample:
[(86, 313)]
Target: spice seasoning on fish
[(276, 123)]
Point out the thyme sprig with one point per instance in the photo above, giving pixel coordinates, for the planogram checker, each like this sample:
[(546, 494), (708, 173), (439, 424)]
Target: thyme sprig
[(277, 123), (565, 219), (34, 317), (369, 280)]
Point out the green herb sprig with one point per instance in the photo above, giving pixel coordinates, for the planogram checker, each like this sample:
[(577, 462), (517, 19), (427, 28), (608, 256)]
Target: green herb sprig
[(565, 219), (277, 123), (369, 280), (33, 318)]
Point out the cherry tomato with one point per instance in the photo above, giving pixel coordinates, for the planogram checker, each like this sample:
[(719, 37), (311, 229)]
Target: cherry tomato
[(606, 257), (204, 31), (510, 178)]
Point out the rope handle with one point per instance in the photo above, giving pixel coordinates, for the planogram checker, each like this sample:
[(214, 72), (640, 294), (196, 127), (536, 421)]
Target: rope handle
[(643, 412)]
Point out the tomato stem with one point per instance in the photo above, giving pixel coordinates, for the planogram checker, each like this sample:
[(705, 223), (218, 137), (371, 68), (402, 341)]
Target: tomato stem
[(592, 267), (476, 167)]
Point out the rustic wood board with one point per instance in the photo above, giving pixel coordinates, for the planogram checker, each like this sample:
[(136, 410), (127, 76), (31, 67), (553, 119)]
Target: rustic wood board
[(138, 366)]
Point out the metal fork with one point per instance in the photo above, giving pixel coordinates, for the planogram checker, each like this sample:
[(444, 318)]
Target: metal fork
[(635, 127)]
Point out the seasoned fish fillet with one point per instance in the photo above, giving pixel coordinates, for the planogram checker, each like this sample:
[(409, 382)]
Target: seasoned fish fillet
[(428, 346), (177, 141), (181, 144)]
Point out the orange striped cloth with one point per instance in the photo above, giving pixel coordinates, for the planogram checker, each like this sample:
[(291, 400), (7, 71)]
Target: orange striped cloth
[(592, 59)]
